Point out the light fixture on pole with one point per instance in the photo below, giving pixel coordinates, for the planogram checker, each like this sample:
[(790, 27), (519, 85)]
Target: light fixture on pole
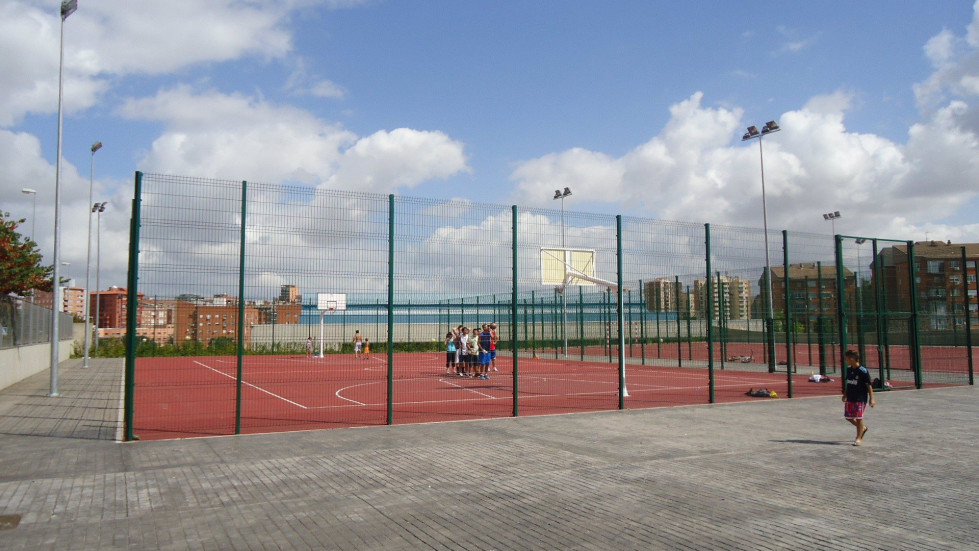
[(68, 7), (88, 262), (832, 216), (752, 133), (562, 195), (98, 208), (33, 194)]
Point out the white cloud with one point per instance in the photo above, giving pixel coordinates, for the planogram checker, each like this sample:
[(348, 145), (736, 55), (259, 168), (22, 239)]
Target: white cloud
[(794, 44), (300, 82), (972, 33), (401, 158), (109, 38), (691, 171), (940, 48), (217, 135)]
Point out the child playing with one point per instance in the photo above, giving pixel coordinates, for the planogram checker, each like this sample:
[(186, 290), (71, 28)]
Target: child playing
[(450, 352), (857, 393)]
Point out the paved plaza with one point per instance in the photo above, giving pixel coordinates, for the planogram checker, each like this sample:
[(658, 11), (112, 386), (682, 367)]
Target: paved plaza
[(769, 474)]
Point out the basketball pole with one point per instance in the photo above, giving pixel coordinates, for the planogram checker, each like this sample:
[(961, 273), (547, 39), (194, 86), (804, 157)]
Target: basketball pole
[(322, 315), (619, 307)]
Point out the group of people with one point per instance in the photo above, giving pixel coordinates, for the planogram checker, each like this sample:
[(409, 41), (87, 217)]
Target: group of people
[(471, 354)]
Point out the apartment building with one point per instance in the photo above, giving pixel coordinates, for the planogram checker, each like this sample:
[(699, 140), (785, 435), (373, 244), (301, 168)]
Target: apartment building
[(665, 295), (812, 289), (730, 298), (945, 282)]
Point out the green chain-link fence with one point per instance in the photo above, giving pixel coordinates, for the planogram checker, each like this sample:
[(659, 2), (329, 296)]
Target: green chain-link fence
[(256, 305)]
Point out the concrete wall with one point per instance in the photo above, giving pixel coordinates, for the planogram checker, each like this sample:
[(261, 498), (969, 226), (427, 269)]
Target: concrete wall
[(17, 364), (333, 334)]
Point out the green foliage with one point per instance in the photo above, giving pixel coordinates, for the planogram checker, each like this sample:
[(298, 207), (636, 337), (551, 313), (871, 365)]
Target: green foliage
[(20, 261), (223, 346)]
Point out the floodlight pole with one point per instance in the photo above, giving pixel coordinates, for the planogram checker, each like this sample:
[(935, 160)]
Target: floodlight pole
[(68, 7), (752, 133), (558, 194), (99, 208), (87, 302)]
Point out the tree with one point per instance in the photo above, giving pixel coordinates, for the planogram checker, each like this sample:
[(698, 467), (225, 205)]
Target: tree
[(20, 261)]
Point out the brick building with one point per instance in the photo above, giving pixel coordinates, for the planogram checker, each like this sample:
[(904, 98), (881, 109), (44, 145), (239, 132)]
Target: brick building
[(812, 290), (112, 307), (946, 285)]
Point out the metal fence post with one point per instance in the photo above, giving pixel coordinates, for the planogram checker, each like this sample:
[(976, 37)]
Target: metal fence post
[(679, 341), (241, 308), (515, 349), (131, 317), (710, 317), (619, 317), (788, 311), (390, 375), (965, 310), (841, 317), (915, 330)]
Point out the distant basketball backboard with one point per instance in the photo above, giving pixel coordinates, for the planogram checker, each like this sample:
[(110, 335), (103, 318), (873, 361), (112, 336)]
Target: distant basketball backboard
[(331, 302), (567, 266)]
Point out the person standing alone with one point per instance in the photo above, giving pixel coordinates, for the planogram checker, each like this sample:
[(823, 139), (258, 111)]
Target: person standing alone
[(358, 341), (857, 393)]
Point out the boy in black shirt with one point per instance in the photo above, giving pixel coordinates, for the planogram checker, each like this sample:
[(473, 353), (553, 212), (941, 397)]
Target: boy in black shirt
[(857, 393)]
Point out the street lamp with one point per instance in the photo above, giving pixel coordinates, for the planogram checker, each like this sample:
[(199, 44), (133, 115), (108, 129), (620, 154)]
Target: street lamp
[(558, 194), (752, 133), (33, 194), (832, 216), (98, 208), (68, 7), (88, 260)]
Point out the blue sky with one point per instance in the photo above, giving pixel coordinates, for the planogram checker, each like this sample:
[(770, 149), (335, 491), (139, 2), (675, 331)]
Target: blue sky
[(638, 106)]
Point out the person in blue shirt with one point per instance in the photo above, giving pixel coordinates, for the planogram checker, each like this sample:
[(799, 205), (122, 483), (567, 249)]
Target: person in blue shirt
[(857, 393), (450, 352)]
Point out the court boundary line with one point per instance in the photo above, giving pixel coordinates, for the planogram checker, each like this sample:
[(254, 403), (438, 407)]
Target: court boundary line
[(258, 388)]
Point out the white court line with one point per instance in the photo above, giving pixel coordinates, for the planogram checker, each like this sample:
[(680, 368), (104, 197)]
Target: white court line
[(339, 390), (444, 380), (260, 389)]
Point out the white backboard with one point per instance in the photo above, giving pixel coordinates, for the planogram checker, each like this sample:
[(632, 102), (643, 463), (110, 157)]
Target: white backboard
[(331, 301), (567, 266)]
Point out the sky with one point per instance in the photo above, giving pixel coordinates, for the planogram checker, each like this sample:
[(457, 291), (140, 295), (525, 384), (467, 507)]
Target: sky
[(638, 107)]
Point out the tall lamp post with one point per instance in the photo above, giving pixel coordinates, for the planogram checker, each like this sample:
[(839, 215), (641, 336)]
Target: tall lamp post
[(88, 260), (752, 133), (68, 7), (98, 208), (562, 195), (33, 194)]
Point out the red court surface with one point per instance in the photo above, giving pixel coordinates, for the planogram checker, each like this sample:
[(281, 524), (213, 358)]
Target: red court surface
[(179, 397)]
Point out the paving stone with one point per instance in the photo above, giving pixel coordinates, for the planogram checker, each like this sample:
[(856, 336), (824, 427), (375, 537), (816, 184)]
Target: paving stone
[(778, 474)]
